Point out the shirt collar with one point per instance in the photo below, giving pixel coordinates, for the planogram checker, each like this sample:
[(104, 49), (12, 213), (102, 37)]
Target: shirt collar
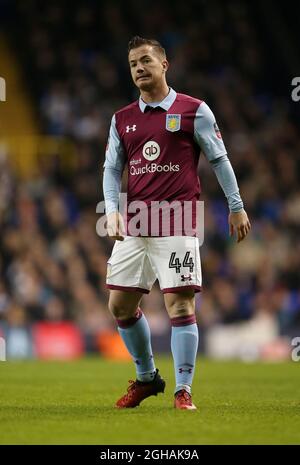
[(165, 104)]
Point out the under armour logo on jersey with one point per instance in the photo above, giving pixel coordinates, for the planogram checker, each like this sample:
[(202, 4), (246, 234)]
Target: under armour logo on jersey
[(131, 128)]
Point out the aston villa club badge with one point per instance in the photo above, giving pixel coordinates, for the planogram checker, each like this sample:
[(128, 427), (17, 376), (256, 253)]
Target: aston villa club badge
[(173, 122)]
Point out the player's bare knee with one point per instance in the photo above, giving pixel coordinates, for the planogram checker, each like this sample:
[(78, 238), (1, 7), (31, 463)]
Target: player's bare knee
[(120, 311), (122, 306), (180, 309), (179, 305)]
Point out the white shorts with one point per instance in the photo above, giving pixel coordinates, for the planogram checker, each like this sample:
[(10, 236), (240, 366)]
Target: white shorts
[(137, 262)]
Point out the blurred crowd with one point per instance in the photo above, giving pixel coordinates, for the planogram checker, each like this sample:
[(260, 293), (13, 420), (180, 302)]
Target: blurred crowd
[(52, 263)]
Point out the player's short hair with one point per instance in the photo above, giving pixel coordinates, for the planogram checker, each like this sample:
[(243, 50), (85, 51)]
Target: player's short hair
[(138, 41)]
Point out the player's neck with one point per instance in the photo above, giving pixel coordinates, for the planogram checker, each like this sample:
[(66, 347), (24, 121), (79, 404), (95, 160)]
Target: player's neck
[(155, 95)]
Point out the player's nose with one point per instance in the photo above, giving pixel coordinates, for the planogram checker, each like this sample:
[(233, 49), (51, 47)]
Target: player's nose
[(140, 69)]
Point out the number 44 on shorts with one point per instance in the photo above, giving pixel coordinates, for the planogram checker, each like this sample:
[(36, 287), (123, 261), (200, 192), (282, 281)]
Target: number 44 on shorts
[(187, 262)]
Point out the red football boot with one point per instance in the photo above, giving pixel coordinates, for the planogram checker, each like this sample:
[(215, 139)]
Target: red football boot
[(138, 391), (183, 401)]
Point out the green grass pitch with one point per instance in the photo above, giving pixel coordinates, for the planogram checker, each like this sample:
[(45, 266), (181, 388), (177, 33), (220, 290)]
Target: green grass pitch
[(73, 403)]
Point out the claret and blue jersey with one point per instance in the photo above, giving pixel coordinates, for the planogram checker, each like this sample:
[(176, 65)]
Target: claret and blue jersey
[(161, 144)]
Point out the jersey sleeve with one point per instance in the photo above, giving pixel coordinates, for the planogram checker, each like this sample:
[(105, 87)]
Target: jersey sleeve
[(227, 180), (208, 137), (114, 156), (207, 134), (113, 169)]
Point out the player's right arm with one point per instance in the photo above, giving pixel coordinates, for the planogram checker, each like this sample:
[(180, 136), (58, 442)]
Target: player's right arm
[(112, 176)]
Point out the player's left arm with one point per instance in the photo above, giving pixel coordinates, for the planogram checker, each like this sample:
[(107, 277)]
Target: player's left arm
[(112, 176), (208, 136)]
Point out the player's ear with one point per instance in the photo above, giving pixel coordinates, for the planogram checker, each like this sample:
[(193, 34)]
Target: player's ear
[(165, 65)]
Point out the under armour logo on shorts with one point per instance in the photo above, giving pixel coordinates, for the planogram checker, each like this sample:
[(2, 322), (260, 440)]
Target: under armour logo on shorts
[(186, 278)]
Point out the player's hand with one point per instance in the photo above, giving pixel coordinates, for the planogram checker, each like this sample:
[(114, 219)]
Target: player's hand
[(239, 224), (115, 226)]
